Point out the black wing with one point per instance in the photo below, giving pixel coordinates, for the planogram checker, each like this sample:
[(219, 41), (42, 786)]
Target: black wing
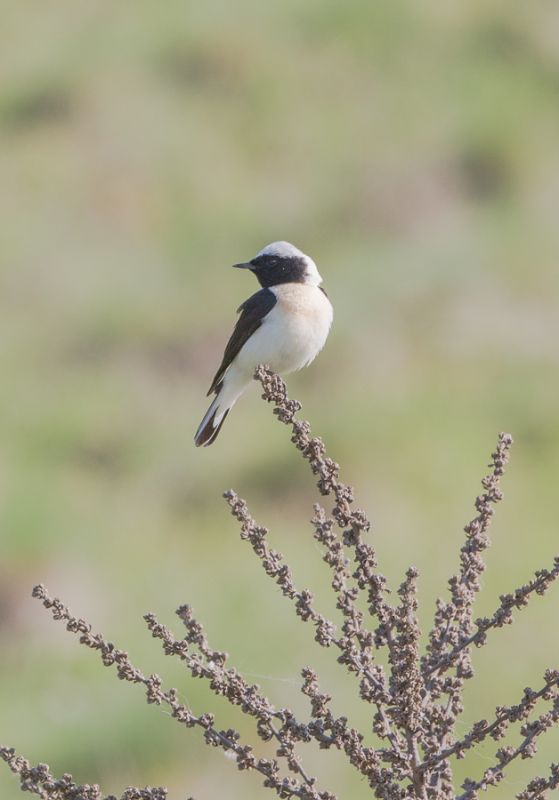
[(253, 312)]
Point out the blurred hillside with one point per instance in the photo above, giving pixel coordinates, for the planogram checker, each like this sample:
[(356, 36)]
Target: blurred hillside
[(413, 152)]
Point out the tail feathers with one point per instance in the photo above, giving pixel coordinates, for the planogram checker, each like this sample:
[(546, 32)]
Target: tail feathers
[(208, 429)]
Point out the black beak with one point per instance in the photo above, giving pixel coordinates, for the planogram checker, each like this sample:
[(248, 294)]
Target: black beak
[(246, 265)]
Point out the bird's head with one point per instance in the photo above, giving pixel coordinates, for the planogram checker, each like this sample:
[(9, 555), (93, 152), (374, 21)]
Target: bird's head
[(281, 262)]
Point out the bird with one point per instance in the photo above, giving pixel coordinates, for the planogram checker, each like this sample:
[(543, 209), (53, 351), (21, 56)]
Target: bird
[(284, 325)]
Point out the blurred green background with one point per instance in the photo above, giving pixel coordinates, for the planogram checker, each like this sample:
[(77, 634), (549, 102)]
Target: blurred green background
[(412, 150)]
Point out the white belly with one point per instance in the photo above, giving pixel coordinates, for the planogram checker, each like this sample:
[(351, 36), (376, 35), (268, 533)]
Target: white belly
[(293, 333)]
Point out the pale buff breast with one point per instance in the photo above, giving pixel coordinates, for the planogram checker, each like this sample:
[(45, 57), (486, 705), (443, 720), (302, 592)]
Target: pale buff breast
[(301, 300), (292, 334), (305, 316)]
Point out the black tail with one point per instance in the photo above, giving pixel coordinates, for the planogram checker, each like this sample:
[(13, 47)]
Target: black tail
[(207, 432)]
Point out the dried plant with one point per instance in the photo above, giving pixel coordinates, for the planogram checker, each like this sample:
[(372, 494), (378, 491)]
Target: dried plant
[(415, 701)]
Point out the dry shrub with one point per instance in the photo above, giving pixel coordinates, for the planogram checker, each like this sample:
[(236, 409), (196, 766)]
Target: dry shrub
[(415, 702)]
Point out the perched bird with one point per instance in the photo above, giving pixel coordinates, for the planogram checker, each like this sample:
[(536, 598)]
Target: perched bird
[(284, 325)]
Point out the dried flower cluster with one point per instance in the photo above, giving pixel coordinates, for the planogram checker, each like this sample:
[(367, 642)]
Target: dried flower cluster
[(38, 780), (415, 702)]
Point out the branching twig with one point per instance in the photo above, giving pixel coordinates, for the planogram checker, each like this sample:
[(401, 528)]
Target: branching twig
[(39, 780), (228, 740)]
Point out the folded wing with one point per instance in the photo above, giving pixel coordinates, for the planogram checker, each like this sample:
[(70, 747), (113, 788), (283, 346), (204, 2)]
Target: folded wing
[(252, 313)]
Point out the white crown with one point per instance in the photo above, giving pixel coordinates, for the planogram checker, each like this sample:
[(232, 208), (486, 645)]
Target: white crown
[(282, 249)]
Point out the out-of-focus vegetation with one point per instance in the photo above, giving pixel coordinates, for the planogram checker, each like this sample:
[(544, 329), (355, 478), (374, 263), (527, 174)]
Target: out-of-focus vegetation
[(412, 150)]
